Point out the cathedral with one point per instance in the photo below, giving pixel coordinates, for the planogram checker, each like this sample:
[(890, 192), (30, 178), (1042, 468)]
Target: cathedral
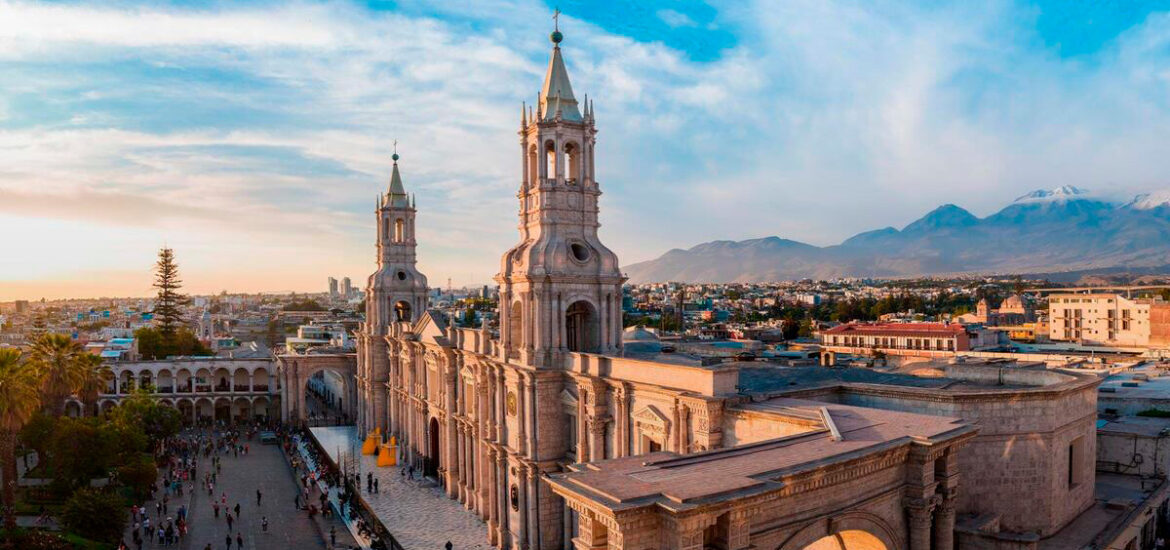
[(557, 437)]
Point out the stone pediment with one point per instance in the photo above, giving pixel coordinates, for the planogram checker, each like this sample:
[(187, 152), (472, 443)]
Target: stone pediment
[(431, 328), (650, 415), (467, 374), (568, 398)]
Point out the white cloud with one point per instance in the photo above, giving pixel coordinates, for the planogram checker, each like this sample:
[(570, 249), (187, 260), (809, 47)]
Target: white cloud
[(675, 18), (825, 119)]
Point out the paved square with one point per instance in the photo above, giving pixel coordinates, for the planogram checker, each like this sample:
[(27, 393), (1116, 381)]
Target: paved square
[(418, 513), (264, 468)]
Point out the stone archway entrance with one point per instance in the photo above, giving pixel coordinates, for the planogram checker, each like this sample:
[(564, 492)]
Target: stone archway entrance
[(848, 540), (431, 462), (295, 372)]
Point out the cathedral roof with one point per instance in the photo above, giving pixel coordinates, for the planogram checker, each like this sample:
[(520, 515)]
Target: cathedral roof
[(557, 93)]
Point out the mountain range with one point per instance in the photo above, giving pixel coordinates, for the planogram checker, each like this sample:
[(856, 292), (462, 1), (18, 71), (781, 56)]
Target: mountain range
[(1063, 229)]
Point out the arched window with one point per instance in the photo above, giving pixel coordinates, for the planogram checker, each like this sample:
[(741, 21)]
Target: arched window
[(581, 327), (550, 160), (572, 160), (399, 232), (402, 311), (533, 168)]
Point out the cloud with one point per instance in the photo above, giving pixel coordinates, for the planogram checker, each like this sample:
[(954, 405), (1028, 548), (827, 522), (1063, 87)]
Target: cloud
[(675, 18), (266, 129)]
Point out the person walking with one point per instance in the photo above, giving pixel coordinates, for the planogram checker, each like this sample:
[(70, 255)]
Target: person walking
[(333, 535), (237, 509), (258, 496), (375, 485), (228, 541), (215, 506), (239, 540), (229, 520), (264, 524)]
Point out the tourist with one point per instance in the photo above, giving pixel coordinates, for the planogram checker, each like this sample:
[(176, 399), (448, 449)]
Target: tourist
[(258, 495), (228, 541), (375, 485), (333, 535), (264, 524), (237, 509), (230, 521), (239, 540)]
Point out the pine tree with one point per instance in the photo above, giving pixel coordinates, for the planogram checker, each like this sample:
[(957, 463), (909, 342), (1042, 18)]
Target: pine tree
[(168, 307)]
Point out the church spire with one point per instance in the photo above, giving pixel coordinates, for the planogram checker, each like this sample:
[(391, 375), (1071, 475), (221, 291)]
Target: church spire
[(557, 93), (397, 195)]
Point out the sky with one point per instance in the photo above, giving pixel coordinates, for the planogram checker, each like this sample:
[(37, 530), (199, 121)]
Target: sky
[(253, 138)]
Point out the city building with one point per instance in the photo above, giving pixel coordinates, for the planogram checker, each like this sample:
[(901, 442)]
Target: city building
[(332, 288), (1108, 319), (346, 288)]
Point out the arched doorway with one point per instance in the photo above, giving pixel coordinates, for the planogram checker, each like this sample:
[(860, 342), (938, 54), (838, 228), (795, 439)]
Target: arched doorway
[(431, 461), (581, 327), (325, 399), (848, 540)]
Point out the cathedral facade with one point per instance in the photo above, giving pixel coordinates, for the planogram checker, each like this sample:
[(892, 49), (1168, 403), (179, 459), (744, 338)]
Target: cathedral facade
[(559, 438)]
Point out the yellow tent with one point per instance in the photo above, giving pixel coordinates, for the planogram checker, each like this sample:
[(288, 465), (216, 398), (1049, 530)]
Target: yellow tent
[(387, 456), (371, 442)]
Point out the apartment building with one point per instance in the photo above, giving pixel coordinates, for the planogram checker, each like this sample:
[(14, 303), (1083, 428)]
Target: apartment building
[(1108, 319)]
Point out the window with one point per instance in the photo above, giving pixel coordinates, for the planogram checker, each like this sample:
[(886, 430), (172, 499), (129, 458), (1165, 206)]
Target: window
[(1076, 461), (571, 429), (550, 160), (399, 233)]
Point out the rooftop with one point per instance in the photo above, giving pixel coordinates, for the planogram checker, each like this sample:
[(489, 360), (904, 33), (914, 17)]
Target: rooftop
[(902, 329), (679, 482)]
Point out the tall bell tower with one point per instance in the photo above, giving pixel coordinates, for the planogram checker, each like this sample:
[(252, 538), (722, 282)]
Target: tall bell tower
[(560, 287), (396, 292)]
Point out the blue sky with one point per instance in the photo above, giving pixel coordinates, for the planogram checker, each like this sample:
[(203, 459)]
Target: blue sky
[(253, 137)]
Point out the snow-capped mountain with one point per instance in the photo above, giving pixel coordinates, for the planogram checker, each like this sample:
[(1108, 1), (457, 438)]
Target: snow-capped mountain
[(1151, 200), (1062, 229), (1064, 192)]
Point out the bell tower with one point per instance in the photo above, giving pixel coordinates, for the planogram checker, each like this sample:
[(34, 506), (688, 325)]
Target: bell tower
[(396, 292), (560, 287)]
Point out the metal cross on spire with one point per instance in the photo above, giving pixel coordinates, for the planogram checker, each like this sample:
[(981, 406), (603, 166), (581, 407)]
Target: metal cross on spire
[(556, 19)]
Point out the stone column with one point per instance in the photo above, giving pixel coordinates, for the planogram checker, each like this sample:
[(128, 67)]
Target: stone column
[(597, 439), (944, 525), (920, 526)]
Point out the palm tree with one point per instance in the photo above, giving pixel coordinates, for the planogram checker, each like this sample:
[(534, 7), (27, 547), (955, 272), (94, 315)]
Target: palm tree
[(95, 376), (56, 356), (19, 399)]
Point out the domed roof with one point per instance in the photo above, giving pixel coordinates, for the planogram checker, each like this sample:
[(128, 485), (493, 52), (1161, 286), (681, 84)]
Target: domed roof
[(638, 334), (1013, 301)]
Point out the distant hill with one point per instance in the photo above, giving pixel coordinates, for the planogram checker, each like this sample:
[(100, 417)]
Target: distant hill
[(1045, 231)]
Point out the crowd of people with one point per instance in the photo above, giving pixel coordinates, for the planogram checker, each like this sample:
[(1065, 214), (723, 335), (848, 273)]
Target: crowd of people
[(179, 460)]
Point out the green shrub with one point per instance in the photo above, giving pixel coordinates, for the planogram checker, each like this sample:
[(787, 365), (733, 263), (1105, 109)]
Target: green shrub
[(1155, 413), (95, 514)]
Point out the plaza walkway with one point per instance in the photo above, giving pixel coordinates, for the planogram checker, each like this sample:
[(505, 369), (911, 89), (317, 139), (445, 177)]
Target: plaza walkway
[(266, 469), (417, 512)]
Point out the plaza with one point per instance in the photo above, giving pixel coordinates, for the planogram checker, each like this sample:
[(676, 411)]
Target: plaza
[(266, 469)]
